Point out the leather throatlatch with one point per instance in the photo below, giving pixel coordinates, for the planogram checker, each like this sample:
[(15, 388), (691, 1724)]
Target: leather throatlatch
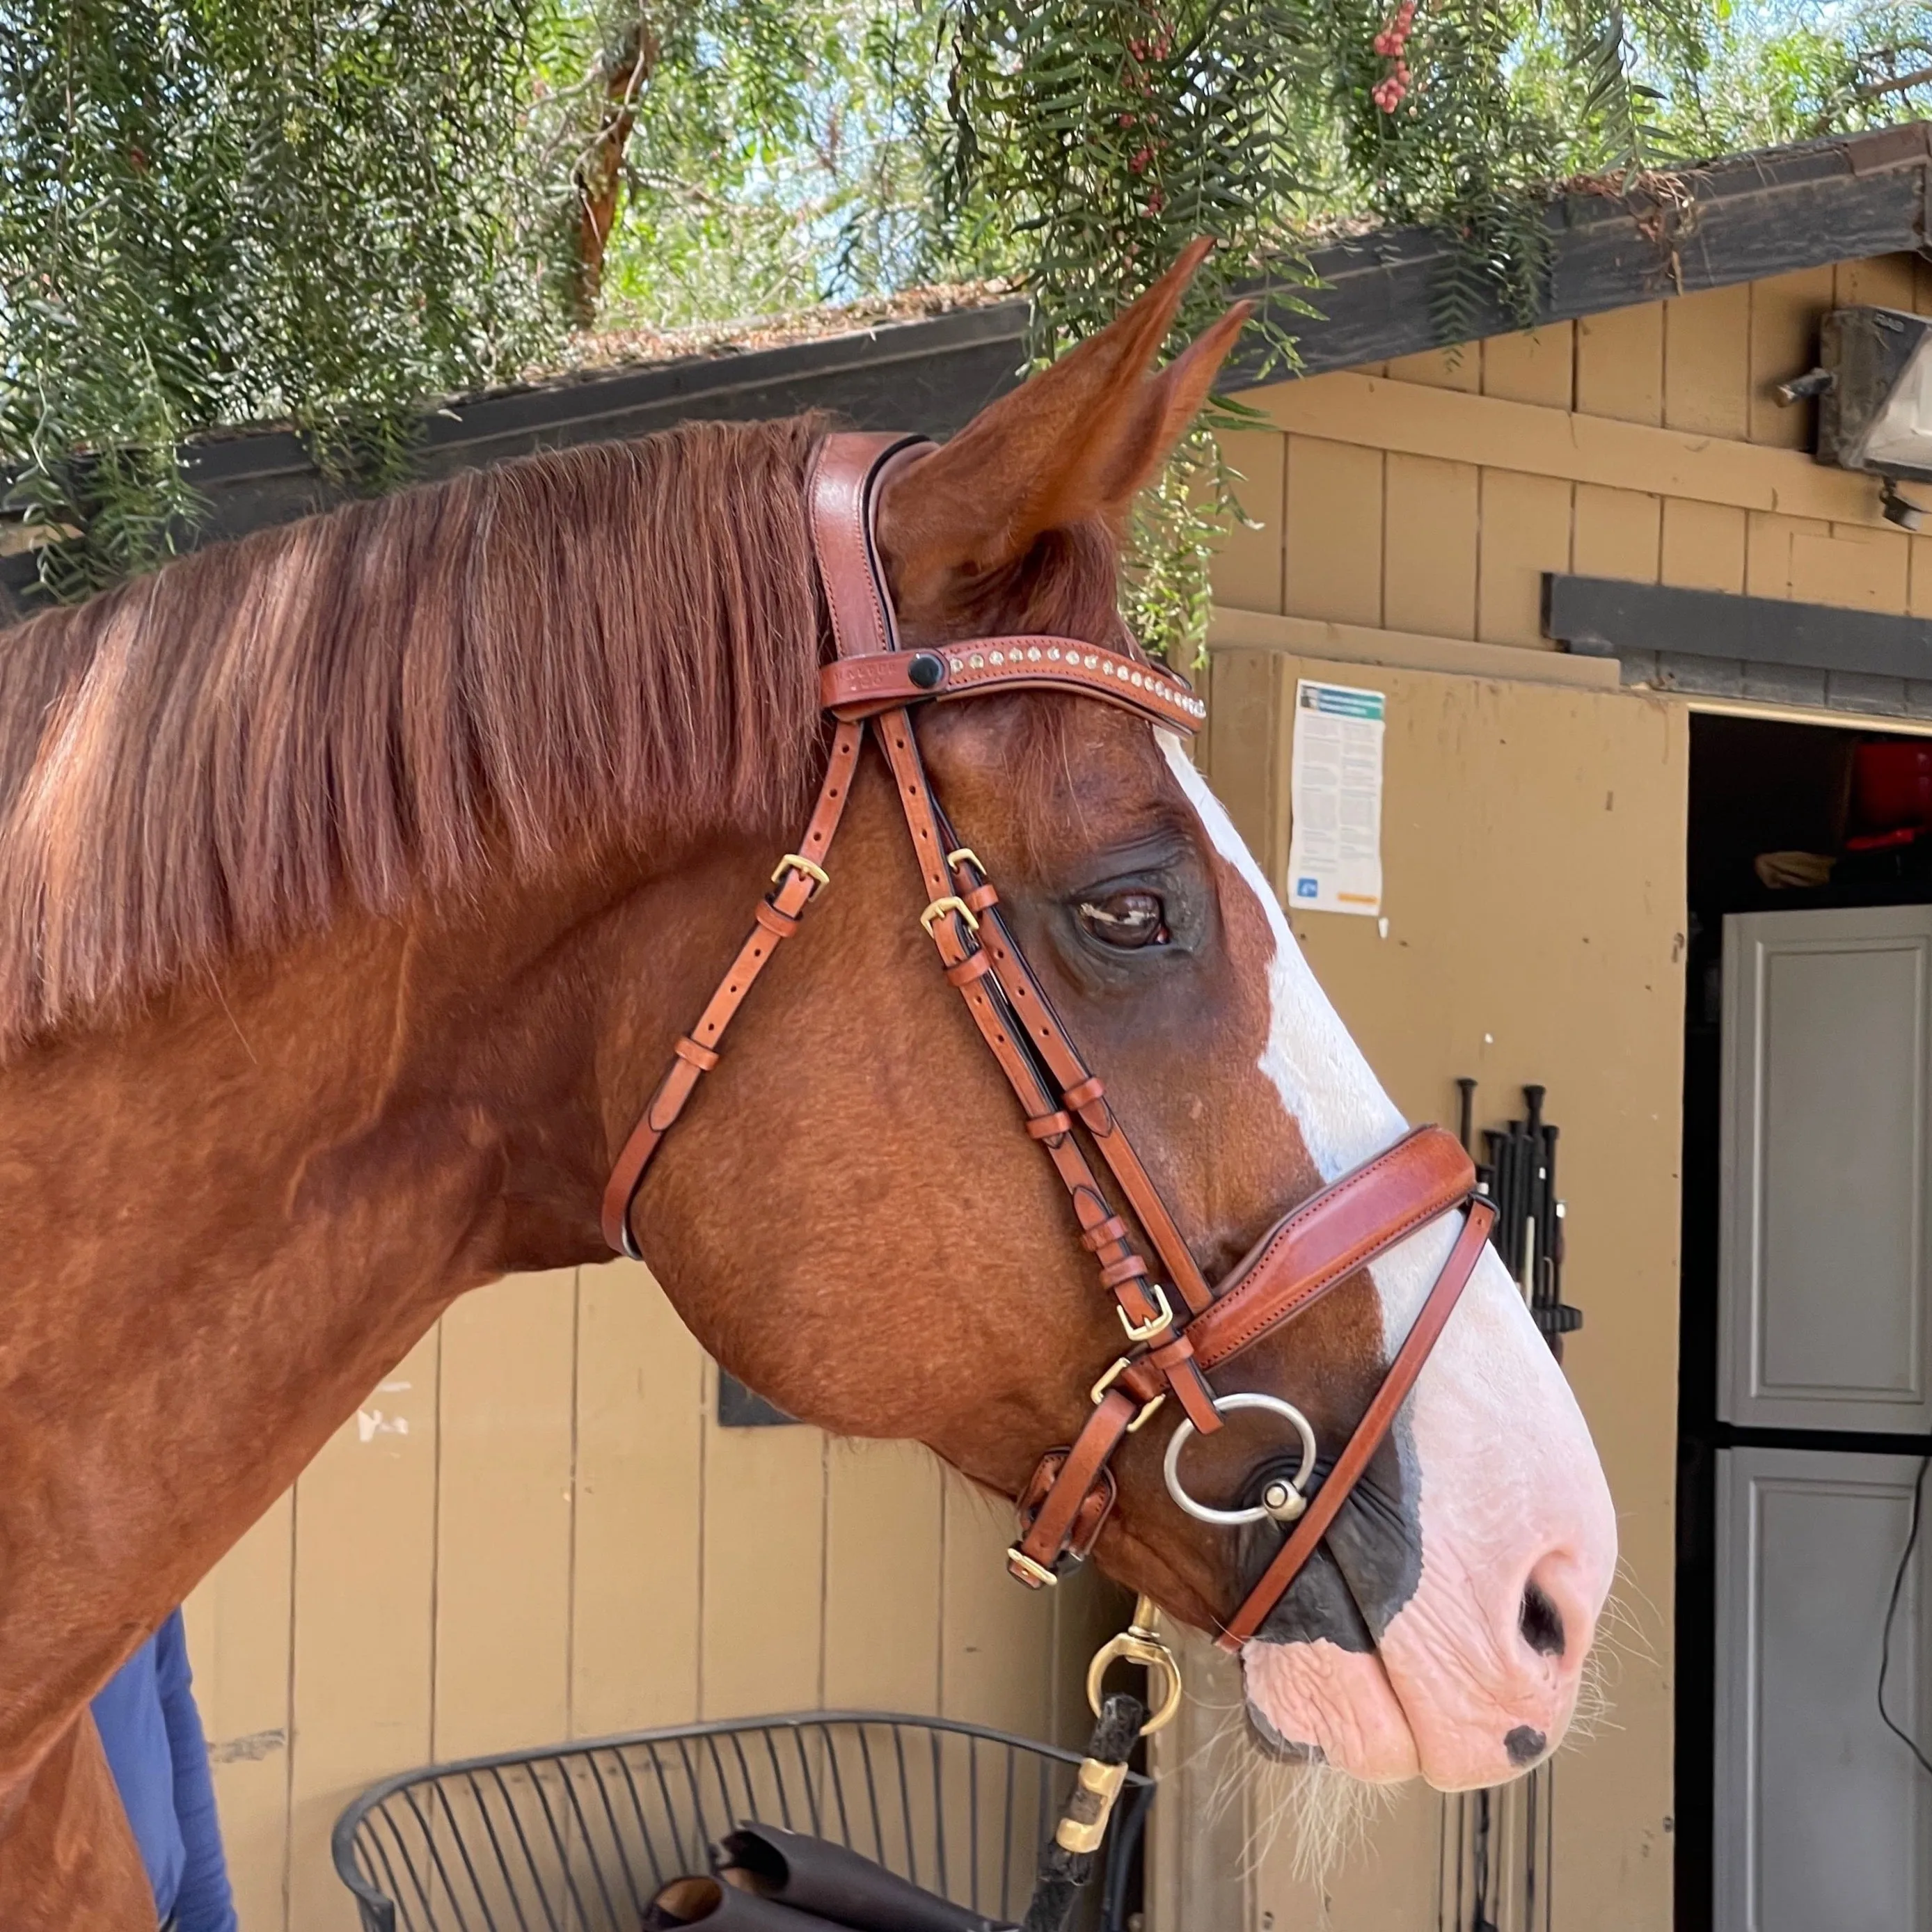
[(1176, 1328)]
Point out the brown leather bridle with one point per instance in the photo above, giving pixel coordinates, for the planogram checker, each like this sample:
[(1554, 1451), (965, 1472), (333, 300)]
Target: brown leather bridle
[(872, 683)]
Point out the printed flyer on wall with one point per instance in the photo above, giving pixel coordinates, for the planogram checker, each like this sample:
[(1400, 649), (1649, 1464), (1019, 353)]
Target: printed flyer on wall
[(1335, 842)]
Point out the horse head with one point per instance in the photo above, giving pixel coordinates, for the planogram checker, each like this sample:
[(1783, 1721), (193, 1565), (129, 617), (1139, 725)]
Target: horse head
[(852, 1220)]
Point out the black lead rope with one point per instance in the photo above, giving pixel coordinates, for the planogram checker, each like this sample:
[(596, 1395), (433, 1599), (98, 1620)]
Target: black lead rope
[(1068, 1861)]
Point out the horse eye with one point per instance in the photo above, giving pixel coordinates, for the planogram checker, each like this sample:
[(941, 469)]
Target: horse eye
[(1126, 920)]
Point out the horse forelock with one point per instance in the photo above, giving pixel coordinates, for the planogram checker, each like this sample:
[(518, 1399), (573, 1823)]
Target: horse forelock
[(212, 759)]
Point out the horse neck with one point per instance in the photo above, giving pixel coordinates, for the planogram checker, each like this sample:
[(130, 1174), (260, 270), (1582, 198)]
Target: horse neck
[(237, 1212)]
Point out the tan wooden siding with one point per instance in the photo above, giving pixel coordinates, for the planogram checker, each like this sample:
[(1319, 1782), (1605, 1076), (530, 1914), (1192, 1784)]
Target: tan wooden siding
[(1428, 494), (1548, 819), (535, 1530)]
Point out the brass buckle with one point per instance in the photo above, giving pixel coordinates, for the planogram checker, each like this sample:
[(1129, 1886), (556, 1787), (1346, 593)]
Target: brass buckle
[(1036, 1575), (939, 908), (1139, 1643), (1145, 1331), (796, 862), (965, 855), (1107, 1381)]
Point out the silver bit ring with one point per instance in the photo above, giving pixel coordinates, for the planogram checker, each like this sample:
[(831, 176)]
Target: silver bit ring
[(1282, 1498)]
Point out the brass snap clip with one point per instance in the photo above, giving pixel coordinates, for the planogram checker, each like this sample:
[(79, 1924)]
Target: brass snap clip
[(1140, 1643)]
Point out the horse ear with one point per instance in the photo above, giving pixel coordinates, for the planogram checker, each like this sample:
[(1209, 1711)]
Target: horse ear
[(1076, 442)]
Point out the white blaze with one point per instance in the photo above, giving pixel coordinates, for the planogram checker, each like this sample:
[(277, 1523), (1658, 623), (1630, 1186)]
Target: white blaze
[(1510, 1484)]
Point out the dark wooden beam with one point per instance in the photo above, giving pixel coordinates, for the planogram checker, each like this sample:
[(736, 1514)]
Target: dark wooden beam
[(1739, 219), (1602, 617)]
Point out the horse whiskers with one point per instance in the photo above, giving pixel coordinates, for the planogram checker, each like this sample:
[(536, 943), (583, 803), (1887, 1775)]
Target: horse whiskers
[(1591, 1715), (1628, 1617), (1326, 1813), (1622, 1632), (1329, 1814)]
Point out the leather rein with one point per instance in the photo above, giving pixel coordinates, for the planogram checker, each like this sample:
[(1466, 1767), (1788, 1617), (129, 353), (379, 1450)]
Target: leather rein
[(1178, 1329)]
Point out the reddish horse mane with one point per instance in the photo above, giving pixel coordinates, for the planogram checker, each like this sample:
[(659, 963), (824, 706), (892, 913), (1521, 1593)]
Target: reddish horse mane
[(621, 635), (207, 759)]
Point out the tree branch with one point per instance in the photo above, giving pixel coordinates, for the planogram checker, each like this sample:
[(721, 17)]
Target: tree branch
[(599, 173), (1872, 90)]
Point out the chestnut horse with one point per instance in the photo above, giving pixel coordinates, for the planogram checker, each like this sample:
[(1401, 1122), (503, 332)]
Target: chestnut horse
[(356, 879)]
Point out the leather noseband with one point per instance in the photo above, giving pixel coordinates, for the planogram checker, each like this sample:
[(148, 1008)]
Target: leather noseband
[(872, 684)]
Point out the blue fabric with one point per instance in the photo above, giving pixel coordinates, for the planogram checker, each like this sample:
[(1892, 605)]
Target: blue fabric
[(148, 1722)]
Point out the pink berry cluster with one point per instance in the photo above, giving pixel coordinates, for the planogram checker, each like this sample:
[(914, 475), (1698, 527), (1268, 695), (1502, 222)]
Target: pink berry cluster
[(1145, 53), (1387, 92)]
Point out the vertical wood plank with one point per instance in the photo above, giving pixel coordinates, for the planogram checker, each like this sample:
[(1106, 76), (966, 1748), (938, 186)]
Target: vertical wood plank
[(1882, 281), (1785, 312), (1703, 545), (1088, 1609), (1707, 363), (1247, 570), (1391, 1881), (884, 1560), (1618, 533), (1525, 531), (1767, 551), (507, 1417), (1459, 367), (365, 1589), (1536, 365), (1333, 531), (1620, 363), (763, 1645), (996, 1636), (238, 1624), (635, 1607), (1205, 1858), (1429, 546), (1245, 710), (1864, 569)]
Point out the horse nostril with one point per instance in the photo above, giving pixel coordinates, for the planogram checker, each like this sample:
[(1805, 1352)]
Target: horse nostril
[(1541, 1623)]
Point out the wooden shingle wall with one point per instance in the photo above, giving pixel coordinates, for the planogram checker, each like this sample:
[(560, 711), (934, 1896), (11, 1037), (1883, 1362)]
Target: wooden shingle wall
[(535, 1530), (1426, 496)]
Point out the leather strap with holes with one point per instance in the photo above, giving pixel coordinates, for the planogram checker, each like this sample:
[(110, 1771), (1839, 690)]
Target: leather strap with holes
[(1352, 1464), (872, 685)]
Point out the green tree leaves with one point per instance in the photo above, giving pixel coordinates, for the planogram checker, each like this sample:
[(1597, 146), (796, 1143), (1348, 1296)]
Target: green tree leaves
[(331, 212)]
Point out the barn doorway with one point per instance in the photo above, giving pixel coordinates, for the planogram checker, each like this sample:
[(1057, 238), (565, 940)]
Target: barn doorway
[(1805, 1365)]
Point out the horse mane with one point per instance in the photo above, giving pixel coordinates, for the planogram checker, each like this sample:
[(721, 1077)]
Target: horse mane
[(209, 760), (617, 639)]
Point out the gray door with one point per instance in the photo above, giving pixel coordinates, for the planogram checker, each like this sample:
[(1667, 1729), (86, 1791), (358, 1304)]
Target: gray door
[(1822, 1276), (1824, 1823)]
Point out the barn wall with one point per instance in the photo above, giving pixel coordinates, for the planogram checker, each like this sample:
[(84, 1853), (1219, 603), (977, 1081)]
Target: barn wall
[(535, 1530), (1533, 841), (1533, 851), (1426, 496)]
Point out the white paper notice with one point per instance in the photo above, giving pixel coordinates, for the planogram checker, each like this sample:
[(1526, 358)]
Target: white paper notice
[(1335, 844)]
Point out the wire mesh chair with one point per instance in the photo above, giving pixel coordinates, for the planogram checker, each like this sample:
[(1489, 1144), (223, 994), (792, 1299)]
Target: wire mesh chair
[(580, 1837)]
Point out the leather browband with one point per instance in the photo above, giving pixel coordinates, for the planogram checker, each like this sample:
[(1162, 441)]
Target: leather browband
[(870, 686)]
